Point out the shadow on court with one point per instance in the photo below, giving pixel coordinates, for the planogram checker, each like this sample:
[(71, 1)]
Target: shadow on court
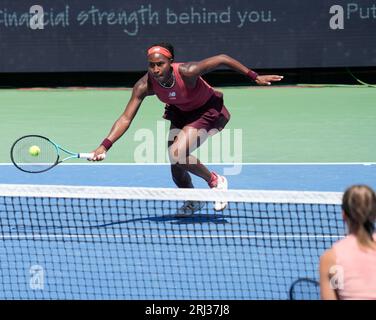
[(164, 219)]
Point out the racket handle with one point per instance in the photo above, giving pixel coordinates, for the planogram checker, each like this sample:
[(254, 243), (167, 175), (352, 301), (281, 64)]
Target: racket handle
[(85, 155), (88, 155)]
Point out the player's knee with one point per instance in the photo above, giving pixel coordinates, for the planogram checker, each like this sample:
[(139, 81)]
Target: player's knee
[(172, 157), (177, 156)]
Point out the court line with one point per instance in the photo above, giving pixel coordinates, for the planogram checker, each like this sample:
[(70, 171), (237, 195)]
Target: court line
[(220, 164)]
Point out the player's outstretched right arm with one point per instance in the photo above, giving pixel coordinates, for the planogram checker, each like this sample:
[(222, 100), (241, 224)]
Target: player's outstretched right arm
[(121, 125)]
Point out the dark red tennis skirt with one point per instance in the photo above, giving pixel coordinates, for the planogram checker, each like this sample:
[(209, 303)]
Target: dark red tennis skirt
[(212, 115)]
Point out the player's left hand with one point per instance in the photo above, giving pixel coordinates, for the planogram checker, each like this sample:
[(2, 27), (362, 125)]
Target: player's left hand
[(267, 80)]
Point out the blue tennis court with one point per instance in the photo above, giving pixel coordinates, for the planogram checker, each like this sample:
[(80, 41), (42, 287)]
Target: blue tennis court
[(301, 177), (136, 249)]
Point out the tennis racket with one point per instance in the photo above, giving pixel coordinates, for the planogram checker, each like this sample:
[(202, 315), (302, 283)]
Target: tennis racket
[(305, 289), (35, 154)]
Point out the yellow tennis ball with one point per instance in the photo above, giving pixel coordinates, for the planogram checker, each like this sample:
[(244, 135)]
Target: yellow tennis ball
[(34, 151)]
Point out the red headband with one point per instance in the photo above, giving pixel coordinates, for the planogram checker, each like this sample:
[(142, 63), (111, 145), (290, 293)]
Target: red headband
[(160, 50)]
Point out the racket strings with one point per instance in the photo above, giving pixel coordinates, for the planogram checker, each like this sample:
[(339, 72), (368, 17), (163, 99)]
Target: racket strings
[(27, 161)]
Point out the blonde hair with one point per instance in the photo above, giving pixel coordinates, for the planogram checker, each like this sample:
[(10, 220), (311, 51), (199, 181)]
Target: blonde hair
[(359, 206)]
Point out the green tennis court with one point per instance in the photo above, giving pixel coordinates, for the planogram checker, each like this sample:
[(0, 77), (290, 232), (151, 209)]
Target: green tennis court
[(279, 124)]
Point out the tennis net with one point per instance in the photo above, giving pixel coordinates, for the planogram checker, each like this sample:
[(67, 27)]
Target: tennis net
[(69, 242)]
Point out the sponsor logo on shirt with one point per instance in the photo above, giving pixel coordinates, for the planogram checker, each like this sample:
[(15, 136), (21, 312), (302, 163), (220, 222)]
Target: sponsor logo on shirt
[(172, 95)]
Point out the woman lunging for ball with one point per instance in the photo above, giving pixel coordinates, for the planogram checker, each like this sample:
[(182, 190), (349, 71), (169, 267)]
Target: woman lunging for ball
[(196, 111)]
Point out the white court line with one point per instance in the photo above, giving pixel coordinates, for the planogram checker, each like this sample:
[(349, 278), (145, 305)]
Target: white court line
[(220, 164), (121, 236)]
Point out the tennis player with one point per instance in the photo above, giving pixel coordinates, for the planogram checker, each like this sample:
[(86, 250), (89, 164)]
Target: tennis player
[(348, 269), (196, 111)]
